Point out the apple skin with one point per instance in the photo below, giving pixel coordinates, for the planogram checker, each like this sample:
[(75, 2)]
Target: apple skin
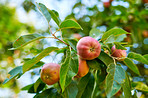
[(77, 36), (106, 4), (88, 48), (145, 33), (120, 54), (83, 68), (145, 1), (50, 73)]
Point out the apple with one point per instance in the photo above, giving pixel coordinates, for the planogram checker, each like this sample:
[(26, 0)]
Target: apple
[(83, 68), (120, 54), (88, 48), (77, 36), (145, 33), (106, 4), (50, 73), (145, 1), (111, 0)]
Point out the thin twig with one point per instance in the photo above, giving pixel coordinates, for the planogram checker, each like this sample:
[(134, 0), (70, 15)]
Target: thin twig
[(56, 37)]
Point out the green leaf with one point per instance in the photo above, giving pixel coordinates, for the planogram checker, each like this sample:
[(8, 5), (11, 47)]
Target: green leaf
[(114, 79), (141, 86), (49, 93), (68, 69), (138, 57), (17, 71), (119, 46), (89, 88), (36, 84), (145, 56), (44, 11), (70, 24), (64, 70), (82, 85), (24, 40), (38, 89), (95, 33), (35, 60), (127, 87), (114, 38), (94, 64), (115, 32), (27, 87), (130, 64), (72, 43), (106, 59), (71, 90), (54, 17)]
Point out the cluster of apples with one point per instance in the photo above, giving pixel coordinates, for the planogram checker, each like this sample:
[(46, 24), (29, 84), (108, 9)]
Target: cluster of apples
[(88, 48)]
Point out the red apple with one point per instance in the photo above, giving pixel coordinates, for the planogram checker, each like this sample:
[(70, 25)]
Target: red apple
[(83, 68), (145, 33), (120, 54), (88, 48), (50, 73), (106, 4), (77, 36), (145, 1)]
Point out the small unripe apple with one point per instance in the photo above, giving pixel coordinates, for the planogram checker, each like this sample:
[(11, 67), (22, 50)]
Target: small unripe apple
[(106, 4), (77, 36), (50, 73), (120, 54), (88, 48), (83, 68)]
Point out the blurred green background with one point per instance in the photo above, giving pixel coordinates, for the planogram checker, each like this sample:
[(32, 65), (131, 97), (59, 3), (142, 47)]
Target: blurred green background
[(20, 17)]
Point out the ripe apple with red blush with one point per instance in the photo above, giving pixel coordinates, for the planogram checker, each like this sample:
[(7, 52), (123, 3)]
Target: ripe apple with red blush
[(120, 54), (50, 73), (88, 48)]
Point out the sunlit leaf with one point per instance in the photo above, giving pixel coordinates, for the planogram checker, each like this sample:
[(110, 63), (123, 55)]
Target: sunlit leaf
[(17, 71), (145, 56), (115, 32), (35, 60), (114, 79), (25, 39), (130, 64), (44, 11), (54, 16), (95, 33), (70, 24), (138, 57), (141, 86)]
